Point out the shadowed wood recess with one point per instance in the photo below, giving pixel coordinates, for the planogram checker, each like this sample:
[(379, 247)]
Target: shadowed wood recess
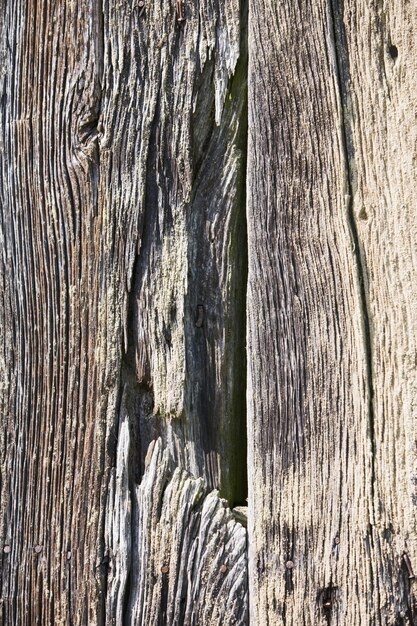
[(332, 324), (208, 285)]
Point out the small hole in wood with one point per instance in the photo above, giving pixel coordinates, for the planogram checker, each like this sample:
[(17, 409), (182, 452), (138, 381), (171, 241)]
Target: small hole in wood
[(165, 569), (393, 51)]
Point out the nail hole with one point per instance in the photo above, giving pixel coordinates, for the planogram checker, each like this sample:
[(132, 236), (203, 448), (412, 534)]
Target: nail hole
[(393, 51), (327, 597), (337, 540)]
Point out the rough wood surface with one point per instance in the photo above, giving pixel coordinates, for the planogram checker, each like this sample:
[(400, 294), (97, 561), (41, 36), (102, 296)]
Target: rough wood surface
[(331, 312), (124, 262), (187, 556), (122, 157)]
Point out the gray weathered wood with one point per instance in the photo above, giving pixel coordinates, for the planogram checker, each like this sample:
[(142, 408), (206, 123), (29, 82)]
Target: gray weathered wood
[(331, 312), (124, 262)]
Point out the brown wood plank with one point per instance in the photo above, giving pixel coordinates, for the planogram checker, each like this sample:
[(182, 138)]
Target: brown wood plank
[(53, 461)]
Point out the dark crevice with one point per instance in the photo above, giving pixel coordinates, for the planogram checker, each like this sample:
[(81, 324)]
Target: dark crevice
[(393, 52), (240, 488), (342, 70), (326, 599), (126, 599), (408, 615), (205, 105), (100, 40), (88, 129)]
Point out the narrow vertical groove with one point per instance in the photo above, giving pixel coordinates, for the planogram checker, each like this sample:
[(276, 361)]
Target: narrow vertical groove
[(340, 52), (341, 71)]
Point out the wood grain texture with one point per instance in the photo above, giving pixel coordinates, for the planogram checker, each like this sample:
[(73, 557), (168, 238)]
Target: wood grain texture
[(124, 261), (53, 460), (331, 349), (378, 65), (196, 567), (122, 208)]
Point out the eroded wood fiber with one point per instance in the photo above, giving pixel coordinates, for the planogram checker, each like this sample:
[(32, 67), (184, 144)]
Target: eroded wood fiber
[(188, 553), (109, 110)]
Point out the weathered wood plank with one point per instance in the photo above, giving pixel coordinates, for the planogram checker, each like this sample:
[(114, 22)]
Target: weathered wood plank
[(53, 459), (183, 168), (122, 210), (377, 46), (324, 335)]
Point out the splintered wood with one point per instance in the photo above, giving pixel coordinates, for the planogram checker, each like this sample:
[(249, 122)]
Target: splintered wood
[(182, 537)]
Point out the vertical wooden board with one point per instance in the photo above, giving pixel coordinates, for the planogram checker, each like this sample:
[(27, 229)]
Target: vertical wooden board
[(53, 455), (311, 557), (377, 45)]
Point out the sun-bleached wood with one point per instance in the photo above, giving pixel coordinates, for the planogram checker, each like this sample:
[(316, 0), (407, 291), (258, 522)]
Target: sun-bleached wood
[(331, 312), (188, 551), (123, 274)]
